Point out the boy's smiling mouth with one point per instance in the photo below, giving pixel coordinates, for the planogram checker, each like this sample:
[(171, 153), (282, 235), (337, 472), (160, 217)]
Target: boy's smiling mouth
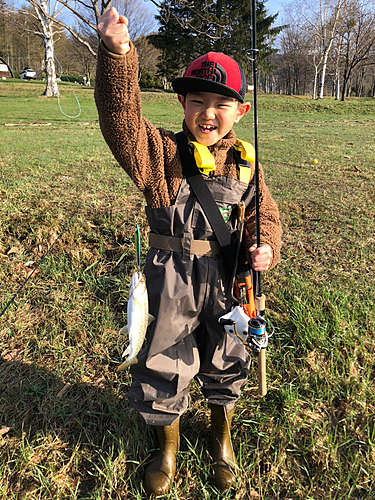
[(207, 128)]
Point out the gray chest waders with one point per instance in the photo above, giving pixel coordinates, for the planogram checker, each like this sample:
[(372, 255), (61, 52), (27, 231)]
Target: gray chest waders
[(189, 288)]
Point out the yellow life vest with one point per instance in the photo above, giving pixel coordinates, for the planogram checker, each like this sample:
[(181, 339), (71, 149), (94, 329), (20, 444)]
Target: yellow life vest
[(206, 162)]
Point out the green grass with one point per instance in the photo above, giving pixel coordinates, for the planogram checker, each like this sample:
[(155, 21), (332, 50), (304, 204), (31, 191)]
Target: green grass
[(73, 434)]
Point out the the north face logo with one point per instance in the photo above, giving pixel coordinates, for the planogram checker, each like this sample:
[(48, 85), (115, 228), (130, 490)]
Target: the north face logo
[(211, 70)]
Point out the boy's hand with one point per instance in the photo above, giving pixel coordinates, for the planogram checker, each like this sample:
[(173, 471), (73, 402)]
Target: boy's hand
[(113, 30), (261, 257)]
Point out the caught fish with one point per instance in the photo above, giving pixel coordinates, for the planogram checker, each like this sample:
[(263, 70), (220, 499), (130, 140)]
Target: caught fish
[(138, 319)]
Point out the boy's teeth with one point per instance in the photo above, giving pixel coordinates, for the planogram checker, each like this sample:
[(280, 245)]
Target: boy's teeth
[(204, 127)]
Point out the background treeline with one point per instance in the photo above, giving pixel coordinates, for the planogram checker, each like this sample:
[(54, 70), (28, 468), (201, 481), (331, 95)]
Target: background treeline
[(327, 48)]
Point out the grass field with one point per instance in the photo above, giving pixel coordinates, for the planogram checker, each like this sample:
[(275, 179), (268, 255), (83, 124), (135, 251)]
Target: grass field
[(66, 428)]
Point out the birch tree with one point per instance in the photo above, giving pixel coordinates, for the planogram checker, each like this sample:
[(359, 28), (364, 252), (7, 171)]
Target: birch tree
[(323, 23), (330, 21), (338, 48), (41, 23), (317, 60)]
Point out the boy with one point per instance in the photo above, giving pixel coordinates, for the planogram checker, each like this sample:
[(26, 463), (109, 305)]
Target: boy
[(188, 279)]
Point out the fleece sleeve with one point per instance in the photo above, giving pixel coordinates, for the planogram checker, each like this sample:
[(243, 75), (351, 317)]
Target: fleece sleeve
[(135, 143)]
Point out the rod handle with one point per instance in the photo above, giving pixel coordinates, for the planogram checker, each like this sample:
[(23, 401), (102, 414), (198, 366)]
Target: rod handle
[(262, 378)]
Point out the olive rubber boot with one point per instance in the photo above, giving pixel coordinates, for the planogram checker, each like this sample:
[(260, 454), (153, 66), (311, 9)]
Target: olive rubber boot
[(160, 472), (225, 463)]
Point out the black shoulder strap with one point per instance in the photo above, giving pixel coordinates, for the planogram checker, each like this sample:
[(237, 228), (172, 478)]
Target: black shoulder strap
[(205, 198)]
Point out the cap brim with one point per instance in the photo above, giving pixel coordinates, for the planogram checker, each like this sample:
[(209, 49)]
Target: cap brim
[(185, 84)]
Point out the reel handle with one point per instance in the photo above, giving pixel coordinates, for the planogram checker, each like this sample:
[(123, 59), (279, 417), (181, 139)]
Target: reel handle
[(226, 321)]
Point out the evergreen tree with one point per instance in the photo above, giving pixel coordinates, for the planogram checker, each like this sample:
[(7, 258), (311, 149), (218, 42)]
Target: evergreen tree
[(190, 29)]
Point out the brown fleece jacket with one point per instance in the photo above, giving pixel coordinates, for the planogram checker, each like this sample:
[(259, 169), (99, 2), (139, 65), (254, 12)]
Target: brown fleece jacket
[(150, 156)]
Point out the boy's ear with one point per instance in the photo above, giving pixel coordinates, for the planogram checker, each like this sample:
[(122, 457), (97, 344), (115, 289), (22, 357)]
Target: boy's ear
[(181, 99), (243, 108)]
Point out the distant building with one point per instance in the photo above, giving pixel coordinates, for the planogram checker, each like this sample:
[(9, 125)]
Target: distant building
[(5, 71)]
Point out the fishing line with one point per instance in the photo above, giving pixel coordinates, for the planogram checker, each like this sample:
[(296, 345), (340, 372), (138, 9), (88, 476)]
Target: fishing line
[(58, 93), (38, 264)]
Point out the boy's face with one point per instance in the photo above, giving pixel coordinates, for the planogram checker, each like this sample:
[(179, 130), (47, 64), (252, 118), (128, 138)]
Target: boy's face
[(209, 116)]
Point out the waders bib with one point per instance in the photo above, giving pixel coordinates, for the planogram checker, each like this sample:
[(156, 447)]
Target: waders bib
[(188, 283)]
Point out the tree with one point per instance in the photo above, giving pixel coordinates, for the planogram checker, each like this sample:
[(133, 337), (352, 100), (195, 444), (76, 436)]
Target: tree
[(329, 27), (191, 28), (17, 46), (141, 21), (293, 60), (337, 49), (323, 24), (359, 40), (41, 23), (84, 60), (147, 57)]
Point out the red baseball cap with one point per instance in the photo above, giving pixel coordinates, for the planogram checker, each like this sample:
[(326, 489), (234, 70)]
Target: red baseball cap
[(213, 72)]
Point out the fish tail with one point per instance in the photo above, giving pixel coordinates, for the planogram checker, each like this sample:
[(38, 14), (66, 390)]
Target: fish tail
[(126, 363)]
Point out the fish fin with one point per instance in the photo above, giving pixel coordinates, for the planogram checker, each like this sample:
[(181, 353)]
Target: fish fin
[(124, 330), (126, 352), (151, 318)]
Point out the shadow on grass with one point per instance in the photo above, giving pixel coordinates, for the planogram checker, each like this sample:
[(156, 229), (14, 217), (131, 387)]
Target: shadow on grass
[(64, 438), (80, 436)]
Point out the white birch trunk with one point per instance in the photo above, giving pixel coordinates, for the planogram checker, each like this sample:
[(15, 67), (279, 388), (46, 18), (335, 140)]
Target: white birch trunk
[(315, 83), (49, 55), (49, 61), (326, 32), (323, 75), (314, 86)]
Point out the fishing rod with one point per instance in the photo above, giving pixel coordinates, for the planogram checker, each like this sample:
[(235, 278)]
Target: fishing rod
[(245, 322), (257, 326)]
